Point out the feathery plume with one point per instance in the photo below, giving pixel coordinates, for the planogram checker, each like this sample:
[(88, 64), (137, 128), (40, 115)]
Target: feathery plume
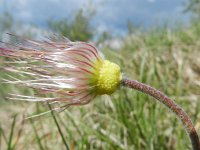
[(75, 71)]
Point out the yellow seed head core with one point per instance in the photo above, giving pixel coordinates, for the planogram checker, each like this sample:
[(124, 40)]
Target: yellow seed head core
[(107, 77)]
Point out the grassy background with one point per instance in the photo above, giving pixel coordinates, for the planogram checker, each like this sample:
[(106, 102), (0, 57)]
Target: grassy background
[(127, 120)]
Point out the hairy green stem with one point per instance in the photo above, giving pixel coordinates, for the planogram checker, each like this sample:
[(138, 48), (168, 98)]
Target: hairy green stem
[(180, 113)]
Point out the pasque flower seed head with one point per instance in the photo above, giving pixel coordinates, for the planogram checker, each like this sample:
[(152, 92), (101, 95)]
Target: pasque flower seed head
[(75, 72)]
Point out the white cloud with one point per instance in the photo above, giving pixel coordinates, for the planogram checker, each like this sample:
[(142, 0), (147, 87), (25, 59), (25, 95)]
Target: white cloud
[(151, 1), (26, 15), (22, 3)]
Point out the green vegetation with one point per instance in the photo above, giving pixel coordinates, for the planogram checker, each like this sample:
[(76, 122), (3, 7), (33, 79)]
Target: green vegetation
[(194, 7), (167, 60), (78, 29)]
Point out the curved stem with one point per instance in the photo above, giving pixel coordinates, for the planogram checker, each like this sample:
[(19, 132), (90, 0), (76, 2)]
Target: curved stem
[(180, 113)]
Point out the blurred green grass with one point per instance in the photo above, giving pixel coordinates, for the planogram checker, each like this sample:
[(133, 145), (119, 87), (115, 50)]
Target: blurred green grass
[(165, 59)]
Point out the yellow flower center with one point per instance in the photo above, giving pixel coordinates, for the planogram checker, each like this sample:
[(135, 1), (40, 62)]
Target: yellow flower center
[(108, 77)]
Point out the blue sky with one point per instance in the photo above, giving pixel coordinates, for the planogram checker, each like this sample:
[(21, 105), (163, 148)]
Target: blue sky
[(111, 15)]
